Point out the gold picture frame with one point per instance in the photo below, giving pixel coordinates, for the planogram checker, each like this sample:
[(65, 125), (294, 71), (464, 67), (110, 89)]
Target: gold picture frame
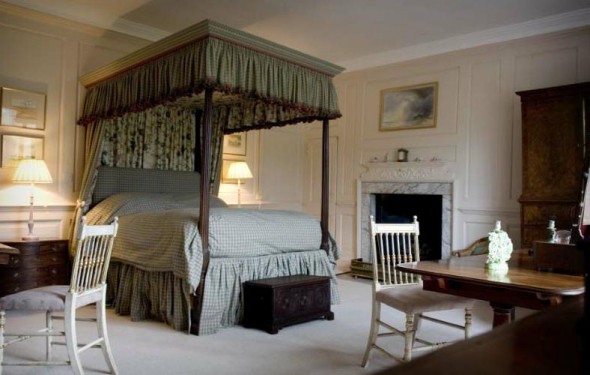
[(22, 109), (18, 147), (235, 144), (409, 107)]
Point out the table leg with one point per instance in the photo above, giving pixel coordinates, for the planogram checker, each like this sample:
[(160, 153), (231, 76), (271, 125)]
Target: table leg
[(503, 313)]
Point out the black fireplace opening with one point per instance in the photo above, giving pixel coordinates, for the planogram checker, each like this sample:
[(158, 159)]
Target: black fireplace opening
[(401, 208)]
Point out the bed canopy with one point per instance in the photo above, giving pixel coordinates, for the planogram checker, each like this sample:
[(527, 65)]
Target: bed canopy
[(230, 80)]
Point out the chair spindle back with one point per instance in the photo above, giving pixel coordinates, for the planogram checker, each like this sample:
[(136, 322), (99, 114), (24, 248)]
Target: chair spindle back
[(392, 244), (93, 254)]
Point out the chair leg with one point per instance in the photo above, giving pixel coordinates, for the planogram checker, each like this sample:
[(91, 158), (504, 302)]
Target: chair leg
[(373, 331), (2, 324), (409, 337), (71, 336), (468, 322), (101, 321), (417, 325), (48, 339)]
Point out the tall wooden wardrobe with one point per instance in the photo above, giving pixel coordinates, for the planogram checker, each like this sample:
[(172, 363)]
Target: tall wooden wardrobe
[(555, 139)]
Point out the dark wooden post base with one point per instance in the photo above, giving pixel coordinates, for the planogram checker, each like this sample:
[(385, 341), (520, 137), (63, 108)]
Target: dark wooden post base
[(502, 314)]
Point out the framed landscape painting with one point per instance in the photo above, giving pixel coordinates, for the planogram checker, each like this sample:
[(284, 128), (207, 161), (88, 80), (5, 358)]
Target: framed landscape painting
[(17, 147), (235, 144), (410, 107), (22, 109)]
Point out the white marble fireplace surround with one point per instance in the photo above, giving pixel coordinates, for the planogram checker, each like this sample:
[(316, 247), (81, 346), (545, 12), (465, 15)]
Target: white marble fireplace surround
[(403, 178)]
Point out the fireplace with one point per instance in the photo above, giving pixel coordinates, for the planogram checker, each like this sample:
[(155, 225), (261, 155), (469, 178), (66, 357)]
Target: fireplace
[(430, 201), (401, 208)]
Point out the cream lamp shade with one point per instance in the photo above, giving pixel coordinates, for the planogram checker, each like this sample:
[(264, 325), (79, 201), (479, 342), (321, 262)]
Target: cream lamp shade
[(239, 170), (32, 171)]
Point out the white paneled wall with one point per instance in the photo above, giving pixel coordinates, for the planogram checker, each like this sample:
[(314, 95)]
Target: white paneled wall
[(478, 132), (281, 179), (275, 157), (46, 54)]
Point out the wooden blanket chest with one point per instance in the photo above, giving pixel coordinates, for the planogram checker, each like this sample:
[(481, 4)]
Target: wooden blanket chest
[(271, 304)]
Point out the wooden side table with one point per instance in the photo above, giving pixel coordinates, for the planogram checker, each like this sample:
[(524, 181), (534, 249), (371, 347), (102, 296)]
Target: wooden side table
[(34, 264), (274, 303)]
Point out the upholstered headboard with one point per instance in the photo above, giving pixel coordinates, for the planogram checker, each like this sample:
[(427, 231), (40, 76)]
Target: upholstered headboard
[(112, 180)]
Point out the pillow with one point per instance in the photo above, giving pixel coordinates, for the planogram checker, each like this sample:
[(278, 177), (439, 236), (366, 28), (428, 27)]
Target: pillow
[(122, 204)]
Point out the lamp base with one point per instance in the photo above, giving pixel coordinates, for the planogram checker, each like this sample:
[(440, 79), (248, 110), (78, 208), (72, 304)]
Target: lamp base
[(30, 237)]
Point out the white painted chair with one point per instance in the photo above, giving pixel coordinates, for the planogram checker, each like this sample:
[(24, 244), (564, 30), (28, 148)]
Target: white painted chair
[(392, 244), (87, 286)]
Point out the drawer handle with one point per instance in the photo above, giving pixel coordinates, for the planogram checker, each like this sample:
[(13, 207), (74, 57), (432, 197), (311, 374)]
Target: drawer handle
[(53, 248), (16, 274), (15, 260), (53, 271), (54, 259)]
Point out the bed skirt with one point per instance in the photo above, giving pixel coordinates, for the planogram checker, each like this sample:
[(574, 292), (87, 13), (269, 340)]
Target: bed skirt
[(165, 297)]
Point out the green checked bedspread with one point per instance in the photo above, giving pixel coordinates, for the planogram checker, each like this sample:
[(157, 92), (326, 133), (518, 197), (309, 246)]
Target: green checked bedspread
[(157, 256)]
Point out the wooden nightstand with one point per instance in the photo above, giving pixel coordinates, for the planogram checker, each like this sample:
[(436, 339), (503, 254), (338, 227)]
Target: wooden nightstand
[(38, 263)]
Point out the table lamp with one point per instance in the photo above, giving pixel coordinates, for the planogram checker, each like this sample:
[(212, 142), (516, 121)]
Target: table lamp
[(239, 170), (32, 171)]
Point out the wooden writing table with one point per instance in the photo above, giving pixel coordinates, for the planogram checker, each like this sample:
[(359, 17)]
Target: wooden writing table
[(522, 285), (549, 343)]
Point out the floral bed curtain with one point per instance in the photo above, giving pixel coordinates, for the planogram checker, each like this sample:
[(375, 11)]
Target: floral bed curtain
[(158, 138)]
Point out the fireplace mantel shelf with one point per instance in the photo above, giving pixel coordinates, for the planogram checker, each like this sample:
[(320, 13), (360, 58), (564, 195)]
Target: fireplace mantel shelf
[(407, 171), (408, 164)]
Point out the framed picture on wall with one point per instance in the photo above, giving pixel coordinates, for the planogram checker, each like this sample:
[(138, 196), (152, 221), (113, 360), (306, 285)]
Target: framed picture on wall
[(22, 109), (410, 107), (235, 144), (17, 147)]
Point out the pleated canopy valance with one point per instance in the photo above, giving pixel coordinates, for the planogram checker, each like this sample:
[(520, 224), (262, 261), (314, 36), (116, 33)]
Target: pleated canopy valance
[(257, 83)]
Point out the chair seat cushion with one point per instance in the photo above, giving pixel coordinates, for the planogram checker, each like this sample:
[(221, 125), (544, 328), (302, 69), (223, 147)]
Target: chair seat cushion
[(46, 298), (412, 299)]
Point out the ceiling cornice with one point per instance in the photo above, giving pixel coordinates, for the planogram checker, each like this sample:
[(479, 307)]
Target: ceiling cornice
[(52, 16), (44, 16), (40, 16), (560, 22), (139, 30)]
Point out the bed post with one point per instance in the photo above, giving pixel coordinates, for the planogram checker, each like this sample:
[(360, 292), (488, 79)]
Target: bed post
[(204, 207), (325, 183)]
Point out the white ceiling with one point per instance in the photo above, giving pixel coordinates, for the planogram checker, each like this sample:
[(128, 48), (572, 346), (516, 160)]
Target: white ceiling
[(353, 33)]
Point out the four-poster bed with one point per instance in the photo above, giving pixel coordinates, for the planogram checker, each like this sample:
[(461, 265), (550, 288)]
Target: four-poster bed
[(208, 80)]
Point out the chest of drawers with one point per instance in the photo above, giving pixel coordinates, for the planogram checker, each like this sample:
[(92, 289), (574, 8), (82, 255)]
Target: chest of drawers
[(38, 263)]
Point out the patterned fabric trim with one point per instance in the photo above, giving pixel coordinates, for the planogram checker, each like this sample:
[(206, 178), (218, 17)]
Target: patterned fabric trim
[(299, 93), (165, 297)]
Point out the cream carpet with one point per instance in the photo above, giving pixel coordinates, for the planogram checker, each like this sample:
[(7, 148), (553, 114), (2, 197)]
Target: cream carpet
[(318, 347)]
